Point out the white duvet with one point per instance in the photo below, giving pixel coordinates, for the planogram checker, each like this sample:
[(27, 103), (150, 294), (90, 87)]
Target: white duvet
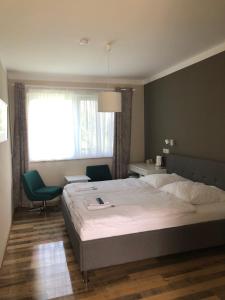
[(135, 205), (128, 207), (105, 186)]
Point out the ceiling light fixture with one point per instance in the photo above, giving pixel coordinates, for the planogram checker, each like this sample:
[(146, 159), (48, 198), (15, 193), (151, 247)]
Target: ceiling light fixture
[(84, 41), (109, 101)]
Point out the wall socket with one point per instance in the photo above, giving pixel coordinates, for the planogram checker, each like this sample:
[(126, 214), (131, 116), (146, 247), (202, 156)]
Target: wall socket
[(166, 150)]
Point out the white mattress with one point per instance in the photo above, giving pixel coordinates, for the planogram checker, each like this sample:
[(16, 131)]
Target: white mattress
[(138, 208)]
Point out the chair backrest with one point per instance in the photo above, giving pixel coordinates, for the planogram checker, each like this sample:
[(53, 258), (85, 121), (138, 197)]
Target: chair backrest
[(98, 173), (31, 182)]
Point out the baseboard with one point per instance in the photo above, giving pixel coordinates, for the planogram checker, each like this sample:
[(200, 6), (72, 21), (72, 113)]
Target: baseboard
[(4, 252)]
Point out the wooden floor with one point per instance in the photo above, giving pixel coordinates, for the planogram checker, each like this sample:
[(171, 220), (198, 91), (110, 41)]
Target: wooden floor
[(39, 264)]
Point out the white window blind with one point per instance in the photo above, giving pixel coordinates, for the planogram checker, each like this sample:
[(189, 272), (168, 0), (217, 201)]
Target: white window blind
[(65, 124)]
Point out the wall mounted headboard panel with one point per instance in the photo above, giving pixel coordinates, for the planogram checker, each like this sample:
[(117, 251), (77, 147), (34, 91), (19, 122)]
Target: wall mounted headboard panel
[(207, 171)]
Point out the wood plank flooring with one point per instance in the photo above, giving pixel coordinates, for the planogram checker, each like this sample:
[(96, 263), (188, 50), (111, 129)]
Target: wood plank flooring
[(39, 264)]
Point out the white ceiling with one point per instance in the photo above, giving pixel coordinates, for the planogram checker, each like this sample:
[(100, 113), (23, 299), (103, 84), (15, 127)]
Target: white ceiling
[(149, 35)]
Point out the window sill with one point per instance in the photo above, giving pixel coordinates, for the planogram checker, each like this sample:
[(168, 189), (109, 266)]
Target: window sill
[(69, 159)]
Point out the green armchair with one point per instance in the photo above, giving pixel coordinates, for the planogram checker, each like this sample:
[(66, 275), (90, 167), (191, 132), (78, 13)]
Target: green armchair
[(98, 173), (36, 190)]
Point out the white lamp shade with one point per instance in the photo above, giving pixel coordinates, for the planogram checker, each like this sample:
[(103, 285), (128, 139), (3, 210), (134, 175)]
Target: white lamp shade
[(109, 102)]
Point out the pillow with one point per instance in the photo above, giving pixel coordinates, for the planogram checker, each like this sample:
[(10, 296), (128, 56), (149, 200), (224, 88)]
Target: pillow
[(158, 180), (195, 192), (180, 190), (204, 194)]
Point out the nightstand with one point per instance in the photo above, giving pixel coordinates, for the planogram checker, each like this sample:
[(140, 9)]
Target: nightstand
[(78, 178), (146, 169)]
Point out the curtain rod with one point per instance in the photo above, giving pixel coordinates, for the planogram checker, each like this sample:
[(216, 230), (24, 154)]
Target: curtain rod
[(72, 87)]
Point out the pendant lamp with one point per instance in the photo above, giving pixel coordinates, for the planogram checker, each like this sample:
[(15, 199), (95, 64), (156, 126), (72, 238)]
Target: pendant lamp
[(109, 101)]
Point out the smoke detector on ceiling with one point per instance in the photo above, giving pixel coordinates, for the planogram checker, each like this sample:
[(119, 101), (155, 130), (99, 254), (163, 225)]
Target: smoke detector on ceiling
[(84, 41)]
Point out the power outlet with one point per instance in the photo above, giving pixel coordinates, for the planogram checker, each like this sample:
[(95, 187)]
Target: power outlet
[(166, 150)]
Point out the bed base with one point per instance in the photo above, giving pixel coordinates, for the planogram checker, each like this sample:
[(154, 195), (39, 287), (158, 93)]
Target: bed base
[(99, 253), (121, 249)]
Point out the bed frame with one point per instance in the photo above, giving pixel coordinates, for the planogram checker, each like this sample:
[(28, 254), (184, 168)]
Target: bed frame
[(121, 249)]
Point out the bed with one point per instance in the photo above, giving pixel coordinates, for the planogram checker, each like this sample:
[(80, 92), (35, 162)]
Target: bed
[(93, 252)]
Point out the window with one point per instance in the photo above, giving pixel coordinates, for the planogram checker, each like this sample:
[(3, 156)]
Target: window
[(65, 124)]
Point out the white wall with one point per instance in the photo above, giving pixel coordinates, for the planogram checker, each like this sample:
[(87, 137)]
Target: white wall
[(53, 172), (5, 177)]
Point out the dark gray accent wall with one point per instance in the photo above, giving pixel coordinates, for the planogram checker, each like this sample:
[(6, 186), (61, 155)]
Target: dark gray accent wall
[(188, 106)]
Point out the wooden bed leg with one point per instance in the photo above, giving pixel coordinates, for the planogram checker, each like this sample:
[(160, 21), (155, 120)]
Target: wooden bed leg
[(85, 279)]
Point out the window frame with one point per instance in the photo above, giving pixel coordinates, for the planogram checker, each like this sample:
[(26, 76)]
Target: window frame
[(79, 92)]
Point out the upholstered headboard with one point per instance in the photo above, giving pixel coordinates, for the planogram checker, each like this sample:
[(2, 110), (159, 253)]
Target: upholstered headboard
[(207, 171)]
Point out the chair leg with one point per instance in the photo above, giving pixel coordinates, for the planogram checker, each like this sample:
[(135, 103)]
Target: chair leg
[(40, 208), (44, 205)]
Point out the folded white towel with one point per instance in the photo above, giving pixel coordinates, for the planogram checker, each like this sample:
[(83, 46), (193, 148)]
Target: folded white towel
[(99, 206), (92, 188)]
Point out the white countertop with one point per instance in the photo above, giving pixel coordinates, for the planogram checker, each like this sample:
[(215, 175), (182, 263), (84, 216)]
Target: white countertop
[(146, 169)]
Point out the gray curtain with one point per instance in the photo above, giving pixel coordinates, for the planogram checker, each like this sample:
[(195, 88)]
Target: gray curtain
[(20, 144), (122, 136)]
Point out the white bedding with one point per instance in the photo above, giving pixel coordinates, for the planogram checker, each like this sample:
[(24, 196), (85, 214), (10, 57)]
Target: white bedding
[(138, 208), (105, 186)]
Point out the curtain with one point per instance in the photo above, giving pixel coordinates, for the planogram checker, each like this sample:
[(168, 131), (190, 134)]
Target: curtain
[(65, 124), (20, 145), (122, 136)]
